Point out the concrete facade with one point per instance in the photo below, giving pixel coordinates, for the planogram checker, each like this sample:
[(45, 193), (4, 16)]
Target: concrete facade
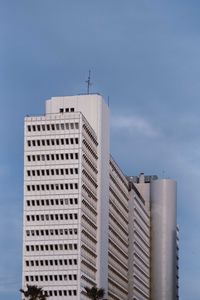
[(85, 222)]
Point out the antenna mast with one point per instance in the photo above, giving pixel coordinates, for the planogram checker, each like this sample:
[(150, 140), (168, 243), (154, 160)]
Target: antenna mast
[(88, 83)]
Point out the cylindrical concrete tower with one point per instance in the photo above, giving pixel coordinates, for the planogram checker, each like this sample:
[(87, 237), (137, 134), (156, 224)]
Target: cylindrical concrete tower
[(163, 239)]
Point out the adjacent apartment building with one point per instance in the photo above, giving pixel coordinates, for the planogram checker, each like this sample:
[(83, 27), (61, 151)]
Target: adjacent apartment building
[(85, 222)]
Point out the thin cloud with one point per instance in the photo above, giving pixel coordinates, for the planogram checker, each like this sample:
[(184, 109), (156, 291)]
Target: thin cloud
[(135, 124)]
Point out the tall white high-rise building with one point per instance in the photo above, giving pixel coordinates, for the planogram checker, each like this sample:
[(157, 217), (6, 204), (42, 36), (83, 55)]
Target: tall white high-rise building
[(85, 222)]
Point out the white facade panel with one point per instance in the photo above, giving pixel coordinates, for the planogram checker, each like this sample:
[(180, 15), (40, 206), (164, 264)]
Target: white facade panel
[(85, 222)]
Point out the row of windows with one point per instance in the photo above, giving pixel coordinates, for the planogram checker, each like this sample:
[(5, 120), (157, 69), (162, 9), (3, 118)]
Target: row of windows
[(91, 180), (52, 142), (51, 262), (71, 109), (51, 293), (115, 169), (53, 126), (47, 202), (52, 187), (51, 277), (52, 217), (89, 148), (90, 164), (51, 247), (93, 139), (48, 232), (52, 172), (47, 157)]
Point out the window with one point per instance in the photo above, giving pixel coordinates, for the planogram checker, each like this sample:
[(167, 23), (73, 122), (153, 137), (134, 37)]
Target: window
[(61, 110), (72, 109)]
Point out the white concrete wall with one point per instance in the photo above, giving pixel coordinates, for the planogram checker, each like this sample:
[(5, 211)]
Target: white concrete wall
[(96, 111)]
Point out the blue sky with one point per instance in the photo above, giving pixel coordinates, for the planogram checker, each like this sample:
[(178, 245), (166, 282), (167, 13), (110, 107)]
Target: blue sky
[(144, 55)]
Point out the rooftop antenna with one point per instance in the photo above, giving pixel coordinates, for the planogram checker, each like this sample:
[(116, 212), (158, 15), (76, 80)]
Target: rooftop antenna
[(88, 83)]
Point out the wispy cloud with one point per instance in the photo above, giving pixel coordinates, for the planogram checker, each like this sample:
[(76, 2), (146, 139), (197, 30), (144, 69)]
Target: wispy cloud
[(135, 124)]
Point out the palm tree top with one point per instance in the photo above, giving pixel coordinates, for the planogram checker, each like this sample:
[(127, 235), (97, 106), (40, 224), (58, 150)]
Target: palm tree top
[(94, 292), (34, 292)]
